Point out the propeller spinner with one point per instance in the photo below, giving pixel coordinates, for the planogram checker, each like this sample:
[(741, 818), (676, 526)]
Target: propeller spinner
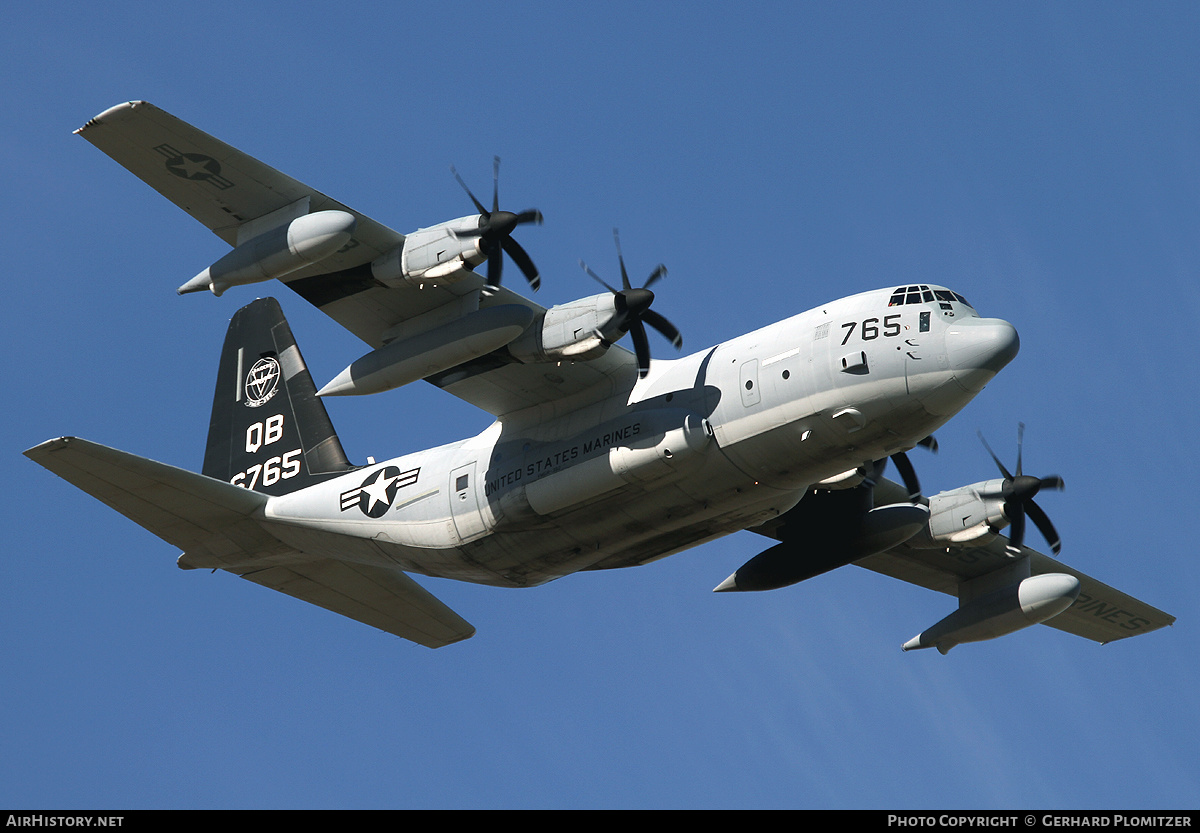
[(495, 230), (633, 308), (1018, 491)]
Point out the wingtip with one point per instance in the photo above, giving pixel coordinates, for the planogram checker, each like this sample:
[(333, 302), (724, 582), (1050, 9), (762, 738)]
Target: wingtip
[(50, 445), (108, 114)]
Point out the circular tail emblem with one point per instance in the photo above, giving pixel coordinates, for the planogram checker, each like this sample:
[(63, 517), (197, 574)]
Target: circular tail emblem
[(262, 382)]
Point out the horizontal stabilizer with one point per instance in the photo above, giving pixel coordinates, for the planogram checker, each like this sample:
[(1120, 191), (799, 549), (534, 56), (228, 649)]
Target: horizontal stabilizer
[(215, 524), (385, 599), (183, 508)]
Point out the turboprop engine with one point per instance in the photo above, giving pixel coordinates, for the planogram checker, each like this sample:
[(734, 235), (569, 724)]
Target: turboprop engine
[(970, 513), (576, 331), (437, 254), (445, 252), (584, 329)]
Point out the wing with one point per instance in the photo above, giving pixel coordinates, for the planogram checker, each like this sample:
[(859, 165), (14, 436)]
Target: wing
[(216, 525), (1101, 613), (228, 191)]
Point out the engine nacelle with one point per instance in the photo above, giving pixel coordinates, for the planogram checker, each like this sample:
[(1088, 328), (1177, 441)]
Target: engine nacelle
[(1011, 608), (280, 251), (576, 331), (437, 254), (964, 515)]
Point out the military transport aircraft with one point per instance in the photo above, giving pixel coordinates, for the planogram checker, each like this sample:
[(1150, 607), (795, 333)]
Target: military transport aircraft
[(598, 457)]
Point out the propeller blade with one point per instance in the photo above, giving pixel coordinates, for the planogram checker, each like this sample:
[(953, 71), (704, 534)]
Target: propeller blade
[(1016, 532), (908, 474), (495, 266), (995, 459), (1042, 522), (659, 272), (598, 279), (621, 260), (1053, 481), (523, 261), (478, 204), (668, 330), (495, 183), (641, 347)]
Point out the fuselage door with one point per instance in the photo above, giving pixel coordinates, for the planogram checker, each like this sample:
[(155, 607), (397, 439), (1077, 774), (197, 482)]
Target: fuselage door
[(464, 503), (751, 395), (915, 361)]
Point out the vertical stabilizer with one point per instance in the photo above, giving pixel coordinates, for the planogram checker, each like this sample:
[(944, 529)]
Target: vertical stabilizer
[(269, 431)]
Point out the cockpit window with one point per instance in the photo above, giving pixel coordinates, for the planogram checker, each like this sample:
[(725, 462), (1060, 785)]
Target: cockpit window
[(924, 295)]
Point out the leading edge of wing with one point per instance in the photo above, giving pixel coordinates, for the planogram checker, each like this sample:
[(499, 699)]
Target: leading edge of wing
[(215, 524)]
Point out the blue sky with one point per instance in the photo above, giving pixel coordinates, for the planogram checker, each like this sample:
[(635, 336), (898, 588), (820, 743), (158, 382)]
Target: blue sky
[(1041, 159)]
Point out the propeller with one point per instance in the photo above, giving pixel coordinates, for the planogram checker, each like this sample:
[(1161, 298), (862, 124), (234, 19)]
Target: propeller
[(495, 230), (633, 308), (1018, 491), (907, 473)]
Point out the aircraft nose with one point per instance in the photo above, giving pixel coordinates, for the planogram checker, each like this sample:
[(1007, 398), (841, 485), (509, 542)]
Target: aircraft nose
[(978, 348)]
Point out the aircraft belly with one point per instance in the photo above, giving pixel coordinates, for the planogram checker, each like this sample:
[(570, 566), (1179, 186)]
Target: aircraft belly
[(631, 525)]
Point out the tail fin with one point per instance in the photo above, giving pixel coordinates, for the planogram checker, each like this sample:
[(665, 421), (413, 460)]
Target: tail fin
[(269, 431)]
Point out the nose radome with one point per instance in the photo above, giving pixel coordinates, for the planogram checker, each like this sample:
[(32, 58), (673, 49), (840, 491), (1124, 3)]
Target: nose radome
[(978, 348)]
